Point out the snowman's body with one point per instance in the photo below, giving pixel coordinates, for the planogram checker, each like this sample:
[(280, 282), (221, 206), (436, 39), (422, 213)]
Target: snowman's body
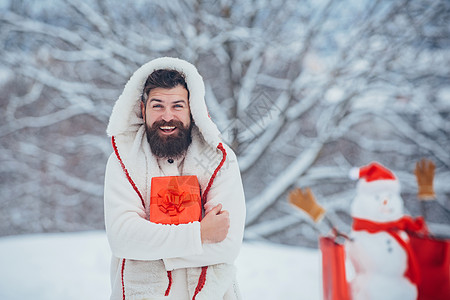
[(380, 262)]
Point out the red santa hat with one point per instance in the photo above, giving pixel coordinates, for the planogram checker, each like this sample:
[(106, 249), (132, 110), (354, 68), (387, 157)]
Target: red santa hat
[(374, 178)]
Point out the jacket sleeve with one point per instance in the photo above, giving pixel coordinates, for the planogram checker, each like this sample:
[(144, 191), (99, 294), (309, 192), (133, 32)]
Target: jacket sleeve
[(130, 235), (227, 189)]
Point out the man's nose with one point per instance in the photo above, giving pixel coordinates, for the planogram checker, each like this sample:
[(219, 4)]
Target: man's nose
[(167, 115)]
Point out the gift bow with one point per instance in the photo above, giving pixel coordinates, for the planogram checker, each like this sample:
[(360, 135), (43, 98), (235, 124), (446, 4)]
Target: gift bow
[(172, 201)]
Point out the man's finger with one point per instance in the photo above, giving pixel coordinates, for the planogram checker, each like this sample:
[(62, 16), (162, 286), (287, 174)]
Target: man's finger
[(216, 210), (224, 213)]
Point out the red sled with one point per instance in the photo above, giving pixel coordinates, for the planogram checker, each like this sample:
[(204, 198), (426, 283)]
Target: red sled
[(334, 280), (433, 258)]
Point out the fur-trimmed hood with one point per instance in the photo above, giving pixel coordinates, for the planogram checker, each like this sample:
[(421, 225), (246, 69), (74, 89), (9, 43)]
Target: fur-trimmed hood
[(126, 117)]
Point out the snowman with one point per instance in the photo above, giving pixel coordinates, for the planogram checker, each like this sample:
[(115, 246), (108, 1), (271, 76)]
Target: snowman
[(379, 250)]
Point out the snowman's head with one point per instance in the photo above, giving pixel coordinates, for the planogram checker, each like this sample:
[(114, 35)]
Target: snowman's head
[(377, 195)]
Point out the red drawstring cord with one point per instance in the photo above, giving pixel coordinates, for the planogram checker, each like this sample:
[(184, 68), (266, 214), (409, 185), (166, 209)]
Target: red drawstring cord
[(202, 278), (126, 171), (211, 180), (169, 275), (123, 285), (201, 282)]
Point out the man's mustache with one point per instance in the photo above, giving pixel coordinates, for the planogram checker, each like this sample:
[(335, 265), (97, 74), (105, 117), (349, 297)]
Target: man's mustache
[(161, 123)]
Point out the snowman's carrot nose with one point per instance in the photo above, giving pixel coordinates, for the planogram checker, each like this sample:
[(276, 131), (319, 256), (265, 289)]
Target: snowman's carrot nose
[(385, 202)]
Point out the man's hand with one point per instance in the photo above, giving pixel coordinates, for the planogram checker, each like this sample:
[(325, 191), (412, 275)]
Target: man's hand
[(214, 226)]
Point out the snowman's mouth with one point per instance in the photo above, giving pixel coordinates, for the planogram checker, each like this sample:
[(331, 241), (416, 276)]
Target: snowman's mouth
[(386, 210)]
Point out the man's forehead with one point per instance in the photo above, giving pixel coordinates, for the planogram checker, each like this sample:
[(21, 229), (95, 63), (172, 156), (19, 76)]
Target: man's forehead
[(164, 93)]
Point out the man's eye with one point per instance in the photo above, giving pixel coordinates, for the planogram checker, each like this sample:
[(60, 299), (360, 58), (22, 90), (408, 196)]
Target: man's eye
[(178, 106), (157, 106)]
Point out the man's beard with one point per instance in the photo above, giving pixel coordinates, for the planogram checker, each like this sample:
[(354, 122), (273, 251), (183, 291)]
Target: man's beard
[(169, 146)]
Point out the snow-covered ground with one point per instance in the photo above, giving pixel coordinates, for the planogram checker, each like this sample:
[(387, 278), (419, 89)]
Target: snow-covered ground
[(76, 266)]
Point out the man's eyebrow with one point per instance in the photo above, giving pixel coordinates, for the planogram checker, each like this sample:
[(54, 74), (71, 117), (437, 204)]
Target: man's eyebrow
[(179, 101), (173, 102)]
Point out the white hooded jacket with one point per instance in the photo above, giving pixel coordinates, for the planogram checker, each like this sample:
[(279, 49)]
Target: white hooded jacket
[(154, 261)]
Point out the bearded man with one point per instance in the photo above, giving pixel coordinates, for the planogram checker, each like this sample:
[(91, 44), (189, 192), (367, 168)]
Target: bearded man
[(160, 127)]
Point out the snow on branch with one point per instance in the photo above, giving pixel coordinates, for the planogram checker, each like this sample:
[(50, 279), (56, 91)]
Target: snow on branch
[(24, 24), (89, 14), (41, 121), (257, 205), (425, 142)]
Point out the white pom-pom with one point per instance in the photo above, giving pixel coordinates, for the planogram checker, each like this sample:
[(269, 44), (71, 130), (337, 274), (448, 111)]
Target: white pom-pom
[(353, 174)]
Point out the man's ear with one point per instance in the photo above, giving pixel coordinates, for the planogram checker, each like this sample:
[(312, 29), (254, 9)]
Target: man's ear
[(143, 110)]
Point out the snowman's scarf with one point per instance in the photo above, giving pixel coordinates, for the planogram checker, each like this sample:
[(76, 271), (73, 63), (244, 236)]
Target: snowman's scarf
[(407, 224)]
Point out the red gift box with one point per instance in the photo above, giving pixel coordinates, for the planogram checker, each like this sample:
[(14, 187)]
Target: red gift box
[(175, 200)]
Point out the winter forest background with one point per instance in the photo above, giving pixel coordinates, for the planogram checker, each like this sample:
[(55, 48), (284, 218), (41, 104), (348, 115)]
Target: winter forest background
[(302, 91)]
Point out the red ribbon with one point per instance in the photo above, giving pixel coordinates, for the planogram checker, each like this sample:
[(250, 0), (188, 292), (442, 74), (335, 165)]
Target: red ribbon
[(393, 228), (172, 201)]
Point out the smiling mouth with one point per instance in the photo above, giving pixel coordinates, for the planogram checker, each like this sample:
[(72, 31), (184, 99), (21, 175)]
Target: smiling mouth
[(167, 129)]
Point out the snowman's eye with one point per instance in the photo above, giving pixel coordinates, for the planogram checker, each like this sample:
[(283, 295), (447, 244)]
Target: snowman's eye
[(377, 198)]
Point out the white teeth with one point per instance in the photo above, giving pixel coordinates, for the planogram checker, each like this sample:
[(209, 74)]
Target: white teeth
[(167, 127)]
